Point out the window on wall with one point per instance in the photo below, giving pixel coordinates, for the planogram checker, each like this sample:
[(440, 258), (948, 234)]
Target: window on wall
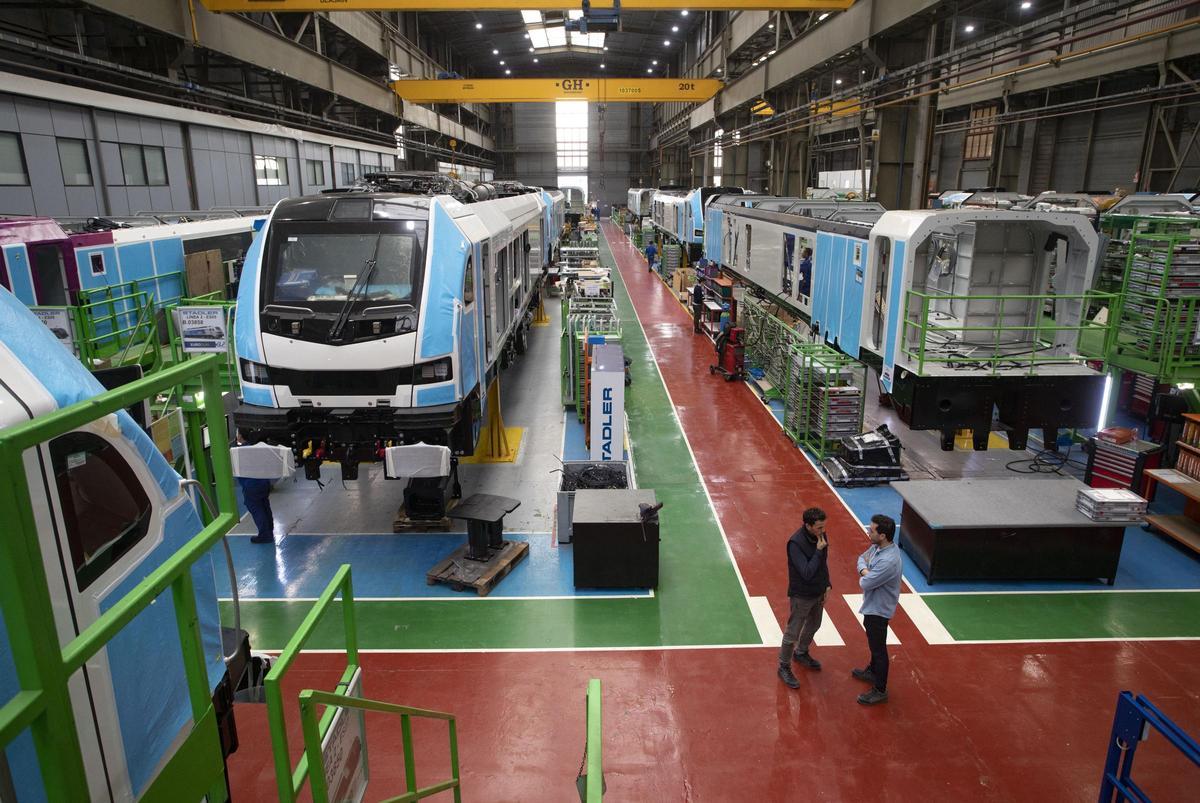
[(315, 171), (12, 160), (982, 135), (401, 153), (347, 172), (270, 171), (73, 159), (143, 165), (571, 128)]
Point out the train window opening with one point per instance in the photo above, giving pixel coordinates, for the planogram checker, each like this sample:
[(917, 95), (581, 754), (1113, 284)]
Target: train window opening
[(789, 253), (883, 267), (469, 282), (106, 511), (356, 262)]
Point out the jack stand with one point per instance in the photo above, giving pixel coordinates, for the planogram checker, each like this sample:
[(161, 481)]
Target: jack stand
[(540, 318), (427, 500), (497, 443)]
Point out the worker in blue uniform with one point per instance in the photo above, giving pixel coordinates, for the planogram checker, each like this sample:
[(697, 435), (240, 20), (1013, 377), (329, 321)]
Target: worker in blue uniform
[(804, 273), (257, 495), (651, 253)]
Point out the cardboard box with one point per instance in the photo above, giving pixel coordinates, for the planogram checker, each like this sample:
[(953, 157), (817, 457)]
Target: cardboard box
[(205, 273)]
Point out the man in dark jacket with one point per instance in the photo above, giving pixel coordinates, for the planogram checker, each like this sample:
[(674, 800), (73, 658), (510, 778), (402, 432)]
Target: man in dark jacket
[(808, 585), (697, 304)]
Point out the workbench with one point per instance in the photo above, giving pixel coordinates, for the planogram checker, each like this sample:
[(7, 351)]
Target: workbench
[(1005, 529)]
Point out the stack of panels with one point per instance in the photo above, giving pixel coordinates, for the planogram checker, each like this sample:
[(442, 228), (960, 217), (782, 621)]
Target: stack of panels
[(836, 411), (1110, 504)]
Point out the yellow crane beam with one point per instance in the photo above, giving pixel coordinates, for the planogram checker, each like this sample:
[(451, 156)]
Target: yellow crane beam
[(517, 5), (537, 90)]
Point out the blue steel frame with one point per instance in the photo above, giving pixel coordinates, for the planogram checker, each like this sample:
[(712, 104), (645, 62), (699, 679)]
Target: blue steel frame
[(1131, 724)]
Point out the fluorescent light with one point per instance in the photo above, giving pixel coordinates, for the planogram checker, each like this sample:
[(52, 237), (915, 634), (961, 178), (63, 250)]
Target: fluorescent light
[(501, 62), (654, 62), (649, 70), (969, 28), (602, 65), (1104, 401), (822, 17), (771, 26), (1026, 5), (532, 17), (666, 43), (495, 52), (772, 53), (674, 29), (508, 72), (838, 82), (535, 61), (478, 25), (684, 12)]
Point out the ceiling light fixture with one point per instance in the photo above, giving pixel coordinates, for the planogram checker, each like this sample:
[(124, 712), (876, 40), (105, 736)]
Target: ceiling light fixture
[(478, 26), (495, 52), (649, 70), (535, 61), (838, 82), (508, 72), (533, 50), (501, 62), (666, 43), (1026, 5), (771, 26), (674, 29), (822, 17), (654, 62), (969, 29), (602, 66), (684, 12), (772, 53)]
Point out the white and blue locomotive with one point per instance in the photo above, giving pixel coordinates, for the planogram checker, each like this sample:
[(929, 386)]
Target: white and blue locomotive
[(679, 214), (947, 304), (372, 319)]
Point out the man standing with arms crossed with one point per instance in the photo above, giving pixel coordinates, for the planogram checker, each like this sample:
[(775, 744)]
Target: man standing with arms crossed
[(808, 585), (879, 572)]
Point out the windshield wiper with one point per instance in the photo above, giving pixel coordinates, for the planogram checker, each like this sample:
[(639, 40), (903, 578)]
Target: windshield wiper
[(364, 280)]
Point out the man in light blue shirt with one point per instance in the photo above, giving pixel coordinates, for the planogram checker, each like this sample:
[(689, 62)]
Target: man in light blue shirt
[(879, 572)]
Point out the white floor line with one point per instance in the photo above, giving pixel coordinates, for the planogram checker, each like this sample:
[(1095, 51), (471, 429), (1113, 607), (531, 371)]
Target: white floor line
[(360, 600), (768, 626), (827, 634), (1066, 591), (652, 648), (855, 602), (930, 627)]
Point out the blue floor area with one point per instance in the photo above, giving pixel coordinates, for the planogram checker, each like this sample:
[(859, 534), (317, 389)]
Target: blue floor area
[(300, 566), (1148, 560), (575, 440)]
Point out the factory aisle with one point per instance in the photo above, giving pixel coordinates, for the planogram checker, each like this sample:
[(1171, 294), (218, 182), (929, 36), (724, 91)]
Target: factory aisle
[(993, 722)]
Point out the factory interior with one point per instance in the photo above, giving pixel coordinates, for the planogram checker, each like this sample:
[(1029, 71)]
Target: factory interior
[(700, 400)]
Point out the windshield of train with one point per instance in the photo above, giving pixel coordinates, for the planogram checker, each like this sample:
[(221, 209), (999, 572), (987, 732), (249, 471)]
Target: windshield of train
[(319, 268)]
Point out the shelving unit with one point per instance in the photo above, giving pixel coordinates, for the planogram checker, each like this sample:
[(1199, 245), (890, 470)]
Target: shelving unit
[(583, 318), (824, 397), (1185, 479)]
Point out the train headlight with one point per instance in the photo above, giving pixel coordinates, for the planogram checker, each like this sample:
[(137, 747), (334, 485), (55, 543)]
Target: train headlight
[(438, 371), (255, 373)]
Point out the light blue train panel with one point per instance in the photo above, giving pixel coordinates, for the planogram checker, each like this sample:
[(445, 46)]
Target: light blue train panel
[(839, 274), (895, 313), (713, 250), (20, 279)]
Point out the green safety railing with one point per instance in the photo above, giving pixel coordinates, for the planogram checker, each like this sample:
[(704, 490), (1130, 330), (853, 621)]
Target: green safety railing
[(769, 343), (114, 319), (311, 766), (825, 397), (595, 749), (929, 340), (43, 667)]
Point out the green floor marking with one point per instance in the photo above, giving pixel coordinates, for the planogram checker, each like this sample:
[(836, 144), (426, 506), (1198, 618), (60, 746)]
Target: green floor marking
[(1120, 615), (699, 601)]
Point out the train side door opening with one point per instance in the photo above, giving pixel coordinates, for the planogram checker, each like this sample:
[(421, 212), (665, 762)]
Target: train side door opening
[(789, 256), (49, 274), (883, 263)]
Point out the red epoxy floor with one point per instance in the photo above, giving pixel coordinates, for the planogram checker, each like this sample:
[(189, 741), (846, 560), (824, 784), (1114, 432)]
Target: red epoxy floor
[(965, 722)]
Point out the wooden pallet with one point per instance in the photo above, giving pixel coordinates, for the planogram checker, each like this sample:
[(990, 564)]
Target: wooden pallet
[(461, 573), (403, 524)]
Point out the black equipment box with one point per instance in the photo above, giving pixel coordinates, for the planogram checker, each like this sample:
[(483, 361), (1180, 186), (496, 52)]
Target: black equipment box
[(613, 546)]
